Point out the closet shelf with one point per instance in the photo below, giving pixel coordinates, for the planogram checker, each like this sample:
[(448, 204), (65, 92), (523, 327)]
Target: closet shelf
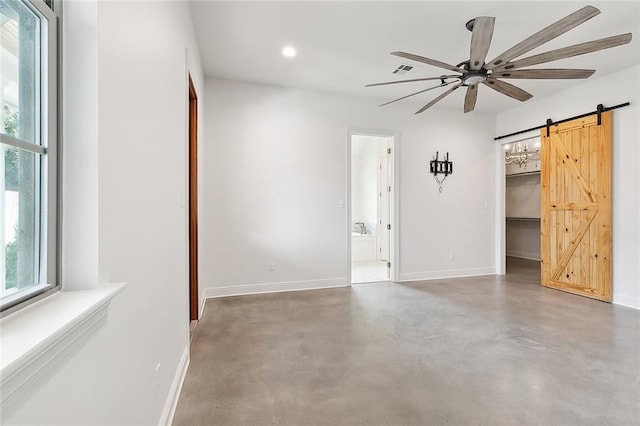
[(527, 219), (533, 173)]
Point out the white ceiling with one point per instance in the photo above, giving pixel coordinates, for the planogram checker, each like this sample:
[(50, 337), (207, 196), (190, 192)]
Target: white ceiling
[(344, 45)]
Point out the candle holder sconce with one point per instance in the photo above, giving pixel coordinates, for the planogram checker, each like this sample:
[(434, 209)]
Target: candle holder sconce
[(437, 167)]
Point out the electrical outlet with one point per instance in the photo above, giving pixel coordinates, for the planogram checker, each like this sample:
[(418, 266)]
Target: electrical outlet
[(271, 265), (452, 256)]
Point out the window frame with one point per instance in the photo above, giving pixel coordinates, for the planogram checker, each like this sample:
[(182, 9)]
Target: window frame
[(47, 149)]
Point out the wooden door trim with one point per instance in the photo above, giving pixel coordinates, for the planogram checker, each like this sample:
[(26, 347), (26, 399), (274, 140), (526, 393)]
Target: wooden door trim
[(605, 215), (193, 201)]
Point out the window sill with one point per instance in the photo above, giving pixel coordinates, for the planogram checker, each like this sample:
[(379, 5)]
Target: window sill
[(38, 336)]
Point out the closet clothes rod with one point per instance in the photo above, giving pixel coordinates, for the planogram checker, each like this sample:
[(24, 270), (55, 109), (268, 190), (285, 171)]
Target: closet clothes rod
[(599, 110)]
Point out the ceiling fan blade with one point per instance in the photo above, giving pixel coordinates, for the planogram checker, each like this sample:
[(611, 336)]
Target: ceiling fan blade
[(549, 33), (568, 52), (544, 73), (438, 99), (443, 77), (428, 61), (481, 40), (470, 98), (508, 89), (416, 93)]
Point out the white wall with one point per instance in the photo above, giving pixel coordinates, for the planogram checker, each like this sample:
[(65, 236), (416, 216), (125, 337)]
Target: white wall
[(276, 173), (80, 146), (522, 196), (522, 200), (609, 90), (523, 239), (135, 114)]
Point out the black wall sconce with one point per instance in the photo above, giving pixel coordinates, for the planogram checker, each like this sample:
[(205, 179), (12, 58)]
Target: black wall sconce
[(437, 167)]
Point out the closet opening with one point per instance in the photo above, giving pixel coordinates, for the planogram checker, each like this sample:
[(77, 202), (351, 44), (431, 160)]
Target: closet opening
[(522, 168)]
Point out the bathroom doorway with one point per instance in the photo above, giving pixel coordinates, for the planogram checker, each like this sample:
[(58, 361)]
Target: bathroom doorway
[(371, 207)]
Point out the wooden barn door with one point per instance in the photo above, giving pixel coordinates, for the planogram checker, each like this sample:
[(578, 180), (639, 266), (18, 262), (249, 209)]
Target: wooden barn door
[(576, 207)]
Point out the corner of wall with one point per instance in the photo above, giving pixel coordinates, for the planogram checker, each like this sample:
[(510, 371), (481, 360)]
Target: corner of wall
[(169, 410)]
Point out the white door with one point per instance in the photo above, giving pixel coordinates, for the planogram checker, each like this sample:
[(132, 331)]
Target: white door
[(384, 211)]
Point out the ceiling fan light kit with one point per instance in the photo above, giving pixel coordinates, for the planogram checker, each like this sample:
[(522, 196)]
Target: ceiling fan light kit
[(477, 70)]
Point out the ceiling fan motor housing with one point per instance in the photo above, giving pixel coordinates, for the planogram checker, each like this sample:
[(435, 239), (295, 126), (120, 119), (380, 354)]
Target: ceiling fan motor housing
[(473, 78)]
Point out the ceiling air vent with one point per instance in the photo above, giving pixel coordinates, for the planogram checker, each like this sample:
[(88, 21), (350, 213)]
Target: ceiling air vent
[(403, 69)]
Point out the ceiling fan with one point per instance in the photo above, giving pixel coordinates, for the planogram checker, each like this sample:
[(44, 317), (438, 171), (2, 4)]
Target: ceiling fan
[(476, 71)]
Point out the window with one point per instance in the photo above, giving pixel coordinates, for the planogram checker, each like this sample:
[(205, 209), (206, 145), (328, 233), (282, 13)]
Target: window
[(28, 161)]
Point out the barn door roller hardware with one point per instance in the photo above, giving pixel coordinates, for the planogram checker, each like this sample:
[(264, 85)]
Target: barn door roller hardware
[(437, 167), (599, 110)]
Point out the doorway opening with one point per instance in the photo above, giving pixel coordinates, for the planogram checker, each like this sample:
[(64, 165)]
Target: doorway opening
[(522, 167), (193, 204), (371, 207)]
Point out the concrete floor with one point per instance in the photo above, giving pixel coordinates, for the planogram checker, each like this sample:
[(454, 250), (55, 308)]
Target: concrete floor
[(485, 350)]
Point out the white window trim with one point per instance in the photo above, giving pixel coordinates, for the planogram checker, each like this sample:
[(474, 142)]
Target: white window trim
[(47, 145), (42, 335)]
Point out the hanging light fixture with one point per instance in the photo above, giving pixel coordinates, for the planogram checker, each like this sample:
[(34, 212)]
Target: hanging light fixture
[(520, 153)]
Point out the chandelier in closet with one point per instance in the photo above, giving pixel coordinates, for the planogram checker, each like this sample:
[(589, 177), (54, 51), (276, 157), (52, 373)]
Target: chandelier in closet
[(520, 153)]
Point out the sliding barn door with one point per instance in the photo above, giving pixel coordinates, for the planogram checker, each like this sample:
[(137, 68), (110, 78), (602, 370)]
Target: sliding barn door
[(576, 207)]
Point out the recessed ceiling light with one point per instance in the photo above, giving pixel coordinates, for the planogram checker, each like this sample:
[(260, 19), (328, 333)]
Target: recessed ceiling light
[(288, 51)]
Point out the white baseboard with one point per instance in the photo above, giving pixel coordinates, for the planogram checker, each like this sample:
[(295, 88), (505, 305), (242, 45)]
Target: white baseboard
[(174, 392), (524, 255), (624, 300), (203, 300), (450, 273), (244, 289)]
